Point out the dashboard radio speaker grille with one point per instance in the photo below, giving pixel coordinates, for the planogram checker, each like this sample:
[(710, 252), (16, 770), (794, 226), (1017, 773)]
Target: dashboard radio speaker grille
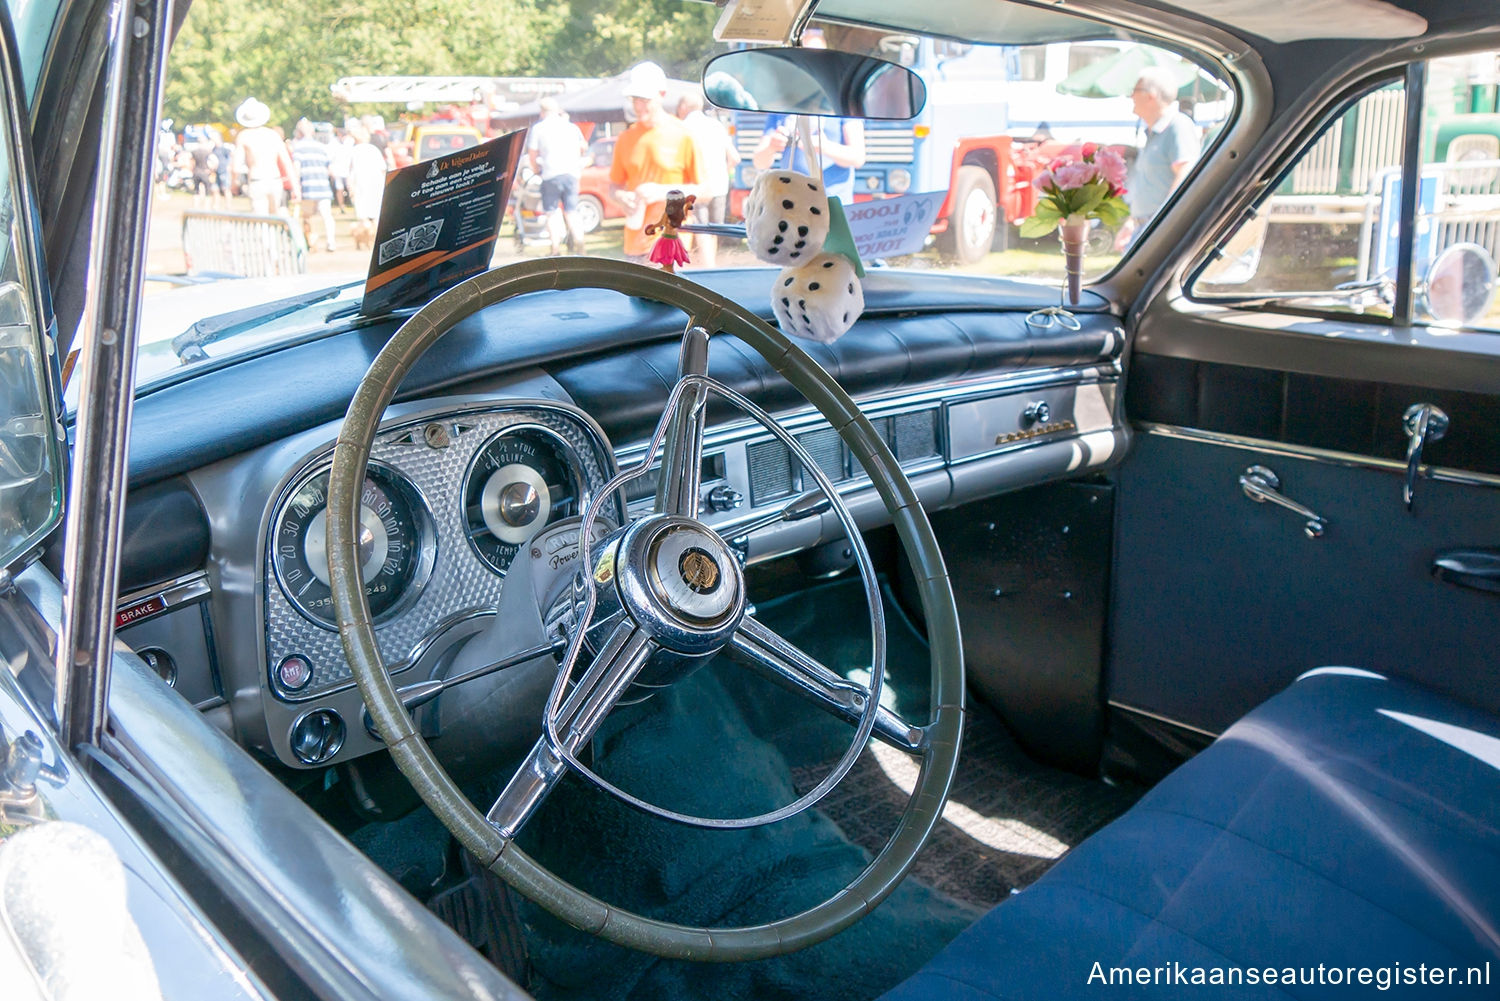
[(827, 450), (915, 435), (771, 473)]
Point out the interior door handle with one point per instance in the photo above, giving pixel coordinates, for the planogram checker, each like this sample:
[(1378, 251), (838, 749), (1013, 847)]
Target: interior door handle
[(1423, 422), (1476, 568), (1261, 485)]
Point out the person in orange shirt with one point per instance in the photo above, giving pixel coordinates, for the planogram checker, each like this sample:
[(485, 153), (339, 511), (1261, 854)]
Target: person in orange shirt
[(652, 157)]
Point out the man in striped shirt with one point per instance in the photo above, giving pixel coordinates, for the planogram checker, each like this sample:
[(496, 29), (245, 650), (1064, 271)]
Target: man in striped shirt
[(312, 157)]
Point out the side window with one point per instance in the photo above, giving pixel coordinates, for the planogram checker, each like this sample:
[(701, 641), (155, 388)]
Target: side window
[(30, 457), (1458, 210), (1326, 235)]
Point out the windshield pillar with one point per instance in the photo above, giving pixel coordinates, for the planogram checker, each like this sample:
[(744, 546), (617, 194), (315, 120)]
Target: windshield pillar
[(106, 367)]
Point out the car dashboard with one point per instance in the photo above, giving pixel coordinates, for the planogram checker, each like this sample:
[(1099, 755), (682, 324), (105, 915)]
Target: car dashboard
[(462, 475)]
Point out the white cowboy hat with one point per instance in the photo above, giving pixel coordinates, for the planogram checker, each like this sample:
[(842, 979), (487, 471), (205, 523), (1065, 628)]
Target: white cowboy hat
[(252, 114)]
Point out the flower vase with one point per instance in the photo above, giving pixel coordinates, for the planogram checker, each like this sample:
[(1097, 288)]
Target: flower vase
[(1075, 234)]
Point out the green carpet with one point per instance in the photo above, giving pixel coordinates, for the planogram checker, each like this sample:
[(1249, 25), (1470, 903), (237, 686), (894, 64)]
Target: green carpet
[(725, 743)]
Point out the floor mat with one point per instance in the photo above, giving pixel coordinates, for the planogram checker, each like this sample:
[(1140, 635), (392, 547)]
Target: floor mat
[(1007, 821)]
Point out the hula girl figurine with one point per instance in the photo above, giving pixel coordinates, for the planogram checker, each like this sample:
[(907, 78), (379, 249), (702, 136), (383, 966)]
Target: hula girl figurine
[(668, 250)]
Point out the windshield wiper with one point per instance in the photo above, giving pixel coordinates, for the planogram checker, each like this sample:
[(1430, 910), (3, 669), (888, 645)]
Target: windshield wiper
[(188, 346)]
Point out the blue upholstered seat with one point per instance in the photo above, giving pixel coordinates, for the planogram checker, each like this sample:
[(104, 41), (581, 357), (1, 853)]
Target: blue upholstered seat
[(1351, 821)]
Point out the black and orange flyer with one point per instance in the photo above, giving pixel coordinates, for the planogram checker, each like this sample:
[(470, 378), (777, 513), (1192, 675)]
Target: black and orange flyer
[(438, 221)]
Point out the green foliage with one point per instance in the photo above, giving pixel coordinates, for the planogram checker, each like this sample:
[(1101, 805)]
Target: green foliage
[(288, 53)]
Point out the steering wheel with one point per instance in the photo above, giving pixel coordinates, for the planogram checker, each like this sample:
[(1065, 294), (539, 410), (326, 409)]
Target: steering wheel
[(673, 594)]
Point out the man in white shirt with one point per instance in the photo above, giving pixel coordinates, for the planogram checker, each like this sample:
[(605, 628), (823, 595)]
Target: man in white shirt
[(716, 157), (557, 152), (1172, 146)]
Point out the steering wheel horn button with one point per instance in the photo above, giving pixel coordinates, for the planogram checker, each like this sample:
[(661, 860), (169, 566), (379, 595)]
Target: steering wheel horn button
[(699, 571)]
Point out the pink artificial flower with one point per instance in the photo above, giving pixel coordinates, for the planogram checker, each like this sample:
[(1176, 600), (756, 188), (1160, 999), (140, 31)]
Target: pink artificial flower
[(1089, 149), (1043, 181), (1112, 167), (1075, 175)]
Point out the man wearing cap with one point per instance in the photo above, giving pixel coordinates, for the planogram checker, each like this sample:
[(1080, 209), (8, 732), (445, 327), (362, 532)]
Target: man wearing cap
[(262, 158), (652, 157), (556, 150)]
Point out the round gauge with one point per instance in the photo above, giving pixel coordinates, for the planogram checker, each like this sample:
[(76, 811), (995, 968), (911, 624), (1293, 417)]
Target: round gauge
[(395, 545), (521, 481)]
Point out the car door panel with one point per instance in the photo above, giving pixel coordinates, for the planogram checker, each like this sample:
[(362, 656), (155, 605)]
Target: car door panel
[(1220, 601)]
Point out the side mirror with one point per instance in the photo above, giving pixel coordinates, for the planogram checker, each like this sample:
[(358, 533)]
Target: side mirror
[(813, 82), (1460, 284)]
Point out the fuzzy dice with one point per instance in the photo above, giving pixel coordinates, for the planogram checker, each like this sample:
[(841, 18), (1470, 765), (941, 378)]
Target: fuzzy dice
[(819, 300), (786, 217)]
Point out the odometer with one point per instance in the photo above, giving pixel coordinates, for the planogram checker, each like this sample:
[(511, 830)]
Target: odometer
[(395, 545), (521, 481)]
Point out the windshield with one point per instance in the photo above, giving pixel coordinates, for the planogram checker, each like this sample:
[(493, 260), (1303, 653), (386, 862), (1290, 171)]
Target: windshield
[(272, 159)]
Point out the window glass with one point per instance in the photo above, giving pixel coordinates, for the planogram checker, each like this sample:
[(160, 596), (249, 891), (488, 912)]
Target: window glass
[(32, 21), (30, 479), (1458, 216), (971, 165), (1326, 235)]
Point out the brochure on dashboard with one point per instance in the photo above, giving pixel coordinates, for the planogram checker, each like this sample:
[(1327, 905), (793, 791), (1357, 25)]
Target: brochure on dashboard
[(438, 222)]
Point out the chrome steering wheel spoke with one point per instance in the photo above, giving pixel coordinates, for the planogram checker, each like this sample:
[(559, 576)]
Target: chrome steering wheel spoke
[(598, 691), (774, 658), (682, 454)]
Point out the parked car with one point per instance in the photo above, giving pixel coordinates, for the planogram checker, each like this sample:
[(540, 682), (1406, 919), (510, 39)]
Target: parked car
[(595, 204), (1143, 642)]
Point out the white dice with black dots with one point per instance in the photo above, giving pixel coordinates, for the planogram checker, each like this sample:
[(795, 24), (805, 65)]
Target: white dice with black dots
[(819, 300), (786, 217)]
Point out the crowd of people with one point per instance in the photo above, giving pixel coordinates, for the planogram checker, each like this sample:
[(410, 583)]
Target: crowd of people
[(322, 169), (318, 170)]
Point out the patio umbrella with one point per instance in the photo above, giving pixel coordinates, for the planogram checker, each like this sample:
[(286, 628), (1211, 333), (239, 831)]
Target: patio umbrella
[(1115, 75)]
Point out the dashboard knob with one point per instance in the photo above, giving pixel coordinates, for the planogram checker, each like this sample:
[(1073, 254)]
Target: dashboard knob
[(1037, 413), (724, 498), (317, 736)]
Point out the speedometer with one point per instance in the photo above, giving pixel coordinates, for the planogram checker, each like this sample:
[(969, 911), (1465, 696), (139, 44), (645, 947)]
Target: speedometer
[(520, 481), (396, 545)]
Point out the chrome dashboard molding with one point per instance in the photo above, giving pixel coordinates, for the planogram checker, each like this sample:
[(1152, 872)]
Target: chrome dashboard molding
[(1351, 460), (178, 591), (941, 397), (803, 418)]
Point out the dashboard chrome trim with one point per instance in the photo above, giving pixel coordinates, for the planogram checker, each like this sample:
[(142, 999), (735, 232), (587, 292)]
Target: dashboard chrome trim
[(179, 591)]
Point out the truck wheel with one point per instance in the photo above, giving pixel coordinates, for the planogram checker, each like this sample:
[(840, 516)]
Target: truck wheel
[(972, 226), (590, 213)]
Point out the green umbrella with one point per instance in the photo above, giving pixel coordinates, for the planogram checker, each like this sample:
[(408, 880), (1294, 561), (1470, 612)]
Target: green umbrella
[(1115, 75)]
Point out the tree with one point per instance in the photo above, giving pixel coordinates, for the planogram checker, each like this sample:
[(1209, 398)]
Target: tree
[(288, 53)]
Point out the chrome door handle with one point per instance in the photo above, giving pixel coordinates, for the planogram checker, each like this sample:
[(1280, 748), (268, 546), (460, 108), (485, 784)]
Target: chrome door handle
[(1423, 423), (1261, 485)]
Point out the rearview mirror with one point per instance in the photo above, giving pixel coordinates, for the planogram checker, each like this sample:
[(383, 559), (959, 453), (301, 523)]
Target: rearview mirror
[(813, 82)]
